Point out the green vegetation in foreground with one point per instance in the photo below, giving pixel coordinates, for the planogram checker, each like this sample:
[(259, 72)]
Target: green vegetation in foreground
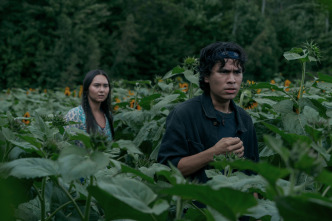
[(45, 177)]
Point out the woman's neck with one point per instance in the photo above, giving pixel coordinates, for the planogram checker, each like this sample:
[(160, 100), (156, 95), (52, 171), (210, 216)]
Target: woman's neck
[(95, 107)]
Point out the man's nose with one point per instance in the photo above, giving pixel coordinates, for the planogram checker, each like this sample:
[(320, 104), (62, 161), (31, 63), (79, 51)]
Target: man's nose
[(231, 78)]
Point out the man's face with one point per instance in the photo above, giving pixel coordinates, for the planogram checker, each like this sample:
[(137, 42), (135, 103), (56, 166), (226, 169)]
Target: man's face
[(225, 82)]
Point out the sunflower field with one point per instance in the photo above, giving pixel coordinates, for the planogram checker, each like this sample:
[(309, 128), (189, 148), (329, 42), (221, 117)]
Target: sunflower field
[(44, 176)]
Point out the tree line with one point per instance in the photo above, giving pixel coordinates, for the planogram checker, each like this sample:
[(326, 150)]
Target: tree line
[(53, 43)]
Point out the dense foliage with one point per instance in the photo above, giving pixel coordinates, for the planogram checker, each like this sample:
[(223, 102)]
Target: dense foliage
[(44, 176), (48, 44)]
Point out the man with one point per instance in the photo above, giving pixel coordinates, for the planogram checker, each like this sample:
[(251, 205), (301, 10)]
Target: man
[(210, 124)]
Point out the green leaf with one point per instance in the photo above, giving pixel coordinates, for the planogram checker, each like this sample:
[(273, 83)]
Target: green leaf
[(288, 137), (238, 181), (29, 168), (262, 85), (81, 136), (325, 177), (221, 200), (266, 170), (8, 134), (121, 201), (177, 70), (75, 162), (31, 140), (191, 77), (284, 106), (147, 101), (127, 145), (324, 77), (264, 208), (319, 107), (304, 208), (127, 169), (26, 147), (294, 56)]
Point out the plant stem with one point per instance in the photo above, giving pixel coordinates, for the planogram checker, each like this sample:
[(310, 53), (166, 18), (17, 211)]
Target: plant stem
[(43, 199), (88, 202), (191, 94), (57, 210), (73, 200), (292, 181), (325, 191), (178, 208), (302, 83)]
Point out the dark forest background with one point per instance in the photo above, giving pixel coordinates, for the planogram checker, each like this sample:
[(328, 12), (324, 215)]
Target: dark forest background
[(53, 43)]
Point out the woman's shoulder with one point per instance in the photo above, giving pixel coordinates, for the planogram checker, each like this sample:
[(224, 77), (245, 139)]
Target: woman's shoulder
[(74, 112)]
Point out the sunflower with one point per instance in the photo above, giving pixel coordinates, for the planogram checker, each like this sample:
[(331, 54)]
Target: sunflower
[(184, 87), (273, 82), (67, 91), (27, 114), (81, 91), (131, 93), (138, 107)]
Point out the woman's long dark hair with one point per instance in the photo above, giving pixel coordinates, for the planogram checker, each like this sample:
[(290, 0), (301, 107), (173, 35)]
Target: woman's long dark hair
[(91, 123)]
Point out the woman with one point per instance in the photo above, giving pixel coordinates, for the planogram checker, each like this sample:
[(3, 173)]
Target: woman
[(94, 115)]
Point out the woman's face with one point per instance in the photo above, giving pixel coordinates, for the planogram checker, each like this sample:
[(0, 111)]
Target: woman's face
[(98, 89)]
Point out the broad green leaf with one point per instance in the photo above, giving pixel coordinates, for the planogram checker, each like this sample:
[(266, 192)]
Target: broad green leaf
[(304, 208), (80, 136), (294, 56), (127, 145), (324, 77), (127, 169), (265, 208), (266, 170), (177, 70), (319, 107), (31, 140), (314, 133), (276, 146), (311, 114), (284, 106), (120, 200), (29, 168), (8, 134), (325, 177), (75, 162), (288, 137), (147, 101), (221, 200), (174, 176), (191, 77), (262, 85), (165, 101), (153, 169), (238, 181), (29, 211), (293, 123), (165, 87)]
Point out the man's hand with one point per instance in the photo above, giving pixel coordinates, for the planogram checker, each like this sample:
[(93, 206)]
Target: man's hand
[(229, 145)]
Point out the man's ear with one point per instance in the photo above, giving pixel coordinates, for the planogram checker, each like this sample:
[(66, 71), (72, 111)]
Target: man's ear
[(206, 79)]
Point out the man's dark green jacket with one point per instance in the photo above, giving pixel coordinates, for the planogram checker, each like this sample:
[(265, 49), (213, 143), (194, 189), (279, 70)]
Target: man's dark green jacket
[(192, 127)]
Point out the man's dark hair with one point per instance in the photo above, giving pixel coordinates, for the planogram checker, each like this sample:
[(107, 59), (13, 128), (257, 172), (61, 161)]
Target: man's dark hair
[(219, 52), (91, 123)]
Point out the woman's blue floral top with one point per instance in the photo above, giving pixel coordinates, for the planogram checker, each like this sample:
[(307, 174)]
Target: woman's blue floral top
[(77, 115)]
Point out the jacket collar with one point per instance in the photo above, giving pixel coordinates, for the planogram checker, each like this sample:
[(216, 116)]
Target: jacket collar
[(210, 112)]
